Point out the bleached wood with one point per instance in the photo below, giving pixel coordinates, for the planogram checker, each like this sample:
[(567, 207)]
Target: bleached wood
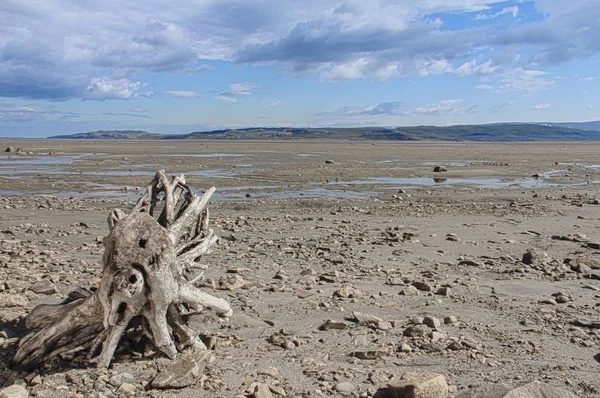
[(148, 255)]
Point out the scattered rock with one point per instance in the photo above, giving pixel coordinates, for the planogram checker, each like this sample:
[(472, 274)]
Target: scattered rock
[(439, 169), (345, 388), (184, 371), (44, 286), (537, 389), (331, 324), (419, 385), (348, 292), (534, 257), (422, 286), (14, 391)]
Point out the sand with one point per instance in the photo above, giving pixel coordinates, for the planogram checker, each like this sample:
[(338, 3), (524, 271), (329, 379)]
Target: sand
[(308, 224)]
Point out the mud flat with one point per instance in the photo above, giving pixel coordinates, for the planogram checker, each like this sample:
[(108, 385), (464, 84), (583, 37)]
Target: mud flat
[(347, 264)]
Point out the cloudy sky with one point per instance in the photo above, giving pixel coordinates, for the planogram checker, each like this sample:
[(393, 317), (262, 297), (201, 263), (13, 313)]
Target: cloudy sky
[(70, 66)]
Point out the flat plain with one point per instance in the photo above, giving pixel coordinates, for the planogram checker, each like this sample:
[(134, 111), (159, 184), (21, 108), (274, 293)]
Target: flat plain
[(487, 273)]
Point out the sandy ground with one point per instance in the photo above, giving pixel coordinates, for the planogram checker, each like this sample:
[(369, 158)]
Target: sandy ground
[(321, 230)]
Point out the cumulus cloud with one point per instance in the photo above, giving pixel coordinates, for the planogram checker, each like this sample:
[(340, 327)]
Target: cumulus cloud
[(41, 58), (104, 88)]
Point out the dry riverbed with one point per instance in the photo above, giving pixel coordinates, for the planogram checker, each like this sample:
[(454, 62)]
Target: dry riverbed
[(347, 264)]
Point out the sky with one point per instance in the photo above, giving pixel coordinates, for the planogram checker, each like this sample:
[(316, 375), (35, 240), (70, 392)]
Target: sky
[(71, 66)]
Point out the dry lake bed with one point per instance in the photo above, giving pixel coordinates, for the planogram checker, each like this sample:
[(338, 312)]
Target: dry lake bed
[(347, 263)]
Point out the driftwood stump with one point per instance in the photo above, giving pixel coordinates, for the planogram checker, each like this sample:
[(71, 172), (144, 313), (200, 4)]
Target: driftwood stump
[(150, 267)]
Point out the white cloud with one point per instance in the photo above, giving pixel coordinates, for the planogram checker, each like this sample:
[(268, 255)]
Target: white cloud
[(236, 91), (485, 87), (471, 68), (401, 108), (182, 93), (514, 11), (103, 88), (518, 80), (446, 107), (541, 106), (353, 39)]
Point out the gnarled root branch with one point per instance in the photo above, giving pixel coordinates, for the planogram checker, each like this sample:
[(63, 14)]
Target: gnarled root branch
[(149, 268)]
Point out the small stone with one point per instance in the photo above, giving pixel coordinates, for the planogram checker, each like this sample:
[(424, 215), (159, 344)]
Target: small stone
[(439, 169), (14, 391), (450, 320), (410, 291), (432, 322), (419, 385), (345, 388), (422, 286), (44, 286), (121, 378), (13, 300), (184, 371), (369, 354), (262, 390), (127, 388), (444, 291), (534, 257), (36, 381), (538, 389), (331, 324), (417, 320), (271, 371), (416, 331), (348, 292)]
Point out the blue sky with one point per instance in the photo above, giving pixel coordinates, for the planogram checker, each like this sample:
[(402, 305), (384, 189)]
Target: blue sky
[(69, 66)]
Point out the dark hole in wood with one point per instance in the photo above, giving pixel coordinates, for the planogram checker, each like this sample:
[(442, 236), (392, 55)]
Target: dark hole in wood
[(132, 279), (142, 243)]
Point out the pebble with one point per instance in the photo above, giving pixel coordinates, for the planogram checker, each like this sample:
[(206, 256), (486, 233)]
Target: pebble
[(418, 385), (14, 391), (345, 388)]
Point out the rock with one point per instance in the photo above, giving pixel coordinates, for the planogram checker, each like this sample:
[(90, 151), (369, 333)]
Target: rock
[(328, 161), (410, 291), (14, 391), (422, 286), (444, 291), (487, 391), (271, 371), (13, 300), (262, 390), (432, 322), (348, 292), (121, 378), (416, 331), (369, 354), (184, 371), (534, 257), (439, 169), (586, 323), (127, 388), (345, 388), (537, 389), (10, 149), (418, 385), (44, 286), (450, 320), (331, 324), (594, 245)]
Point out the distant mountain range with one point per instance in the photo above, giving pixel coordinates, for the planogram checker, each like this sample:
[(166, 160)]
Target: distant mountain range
[(498, 132)]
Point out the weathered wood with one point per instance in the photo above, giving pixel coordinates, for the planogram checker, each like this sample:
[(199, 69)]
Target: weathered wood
[(149, 255)]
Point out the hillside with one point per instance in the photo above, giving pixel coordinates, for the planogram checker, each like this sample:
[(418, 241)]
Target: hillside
[(485, 133)]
